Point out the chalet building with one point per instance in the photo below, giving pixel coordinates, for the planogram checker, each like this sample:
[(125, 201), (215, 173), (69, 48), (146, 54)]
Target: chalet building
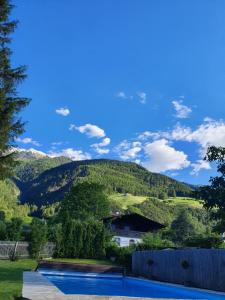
[(129, 229)]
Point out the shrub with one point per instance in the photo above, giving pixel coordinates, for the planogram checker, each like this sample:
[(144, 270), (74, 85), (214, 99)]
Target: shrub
[(38, 236), (153, 241), (122, 255), (77, 239), (205, 241)]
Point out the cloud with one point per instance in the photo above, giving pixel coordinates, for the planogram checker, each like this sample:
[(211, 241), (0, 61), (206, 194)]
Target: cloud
[(28, 140), (199, 165), (209, 133), (182, 111), (128, 150), (121, 95), (163, 157), (98, 146), (90, 130), (63, 111), (71, 153), (142, 97)]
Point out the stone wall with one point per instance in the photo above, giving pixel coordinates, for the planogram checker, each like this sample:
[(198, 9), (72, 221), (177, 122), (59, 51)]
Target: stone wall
[(202, 268)]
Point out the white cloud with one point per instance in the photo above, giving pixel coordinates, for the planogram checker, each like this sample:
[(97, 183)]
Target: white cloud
[(163, 157), (71, 153), (209, 133), (121, 95), (63, 111), (199, 165), (128, 150), (142, 97), (28, 140), (98, 146), (182, 111), (101, 150), (90, 130)]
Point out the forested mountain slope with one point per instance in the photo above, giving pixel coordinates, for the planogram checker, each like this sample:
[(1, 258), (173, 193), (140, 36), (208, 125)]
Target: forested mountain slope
[(47, 180)]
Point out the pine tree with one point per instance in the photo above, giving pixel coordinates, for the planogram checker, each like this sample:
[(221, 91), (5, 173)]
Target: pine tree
[(10, 103)]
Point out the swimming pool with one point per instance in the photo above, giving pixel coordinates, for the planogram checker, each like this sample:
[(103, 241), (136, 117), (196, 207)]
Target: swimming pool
[(96, 284)]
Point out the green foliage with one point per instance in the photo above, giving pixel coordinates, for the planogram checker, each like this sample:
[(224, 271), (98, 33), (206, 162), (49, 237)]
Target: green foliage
[(85, 201), (2, 231), (184, 227), (38, 236), (14, 229), (9, 206), (77, 239), (205, 241), (29, 169), (153, 241), (120, 255), (10, 103), (213, 195)]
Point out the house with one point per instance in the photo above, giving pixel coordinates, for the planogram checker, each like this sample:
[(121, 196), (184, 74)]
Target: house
[(128, 229)]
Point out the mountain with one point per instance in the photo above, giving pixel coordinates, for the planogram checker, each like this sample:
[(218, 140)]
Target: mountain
[(46, 180)]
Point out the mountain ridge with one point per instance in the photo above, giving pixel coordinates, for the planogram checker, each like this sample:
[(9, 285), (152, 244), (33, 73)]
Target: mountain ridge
[(51, 178)]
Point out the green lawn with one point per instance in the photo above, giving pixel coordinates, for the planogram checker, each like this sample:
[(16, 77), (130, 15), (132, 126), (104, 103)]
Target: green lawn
[(183, 200), (125, 200), (11, 275)]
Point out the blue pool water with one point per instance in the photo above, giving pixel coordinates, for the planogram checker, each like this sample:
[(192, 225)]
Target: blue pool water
[(69, 283)]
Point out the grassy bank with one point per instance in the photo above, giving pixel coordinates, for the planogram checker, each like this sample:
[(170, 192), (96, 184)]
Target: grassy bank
[(11, 277)]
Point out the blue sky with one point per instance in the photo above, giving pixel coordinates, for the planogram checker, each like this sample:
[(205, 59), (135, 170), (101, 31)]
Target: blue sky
[(137, 80)]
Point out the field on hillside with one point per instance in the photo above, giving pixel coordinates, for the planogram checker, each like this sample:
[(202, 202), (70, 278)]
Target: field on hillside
[(125, 200), (184, 200)]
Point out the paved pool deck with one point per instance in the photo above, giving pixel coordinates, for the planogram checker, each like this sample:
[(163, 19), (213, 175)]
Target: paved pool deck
[(37, 287)]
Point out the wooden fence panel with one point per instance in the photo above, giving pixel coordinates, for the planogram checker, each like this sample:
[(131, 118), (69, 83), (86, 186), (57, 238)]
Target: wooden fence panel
[(203, 268)]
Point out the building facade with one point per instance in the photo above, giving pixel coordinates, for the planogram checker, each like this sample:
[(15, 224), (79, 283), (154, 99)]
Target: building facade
[(129, 229)]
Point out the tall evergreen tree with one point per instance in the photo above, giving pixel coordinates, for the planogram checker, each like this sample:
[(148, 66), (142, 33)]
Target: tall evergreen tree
[(10, 103)]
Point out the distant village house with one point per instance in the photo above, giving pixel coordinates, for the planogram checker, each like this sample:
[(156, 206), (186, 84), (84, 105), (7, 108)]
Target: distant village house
[(129, 229)]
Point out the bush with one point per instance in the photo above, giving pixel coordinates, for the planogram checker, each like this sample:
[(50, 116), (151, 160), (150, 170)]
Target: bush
[(122, 255), (153, 241), (14, 229), (77, 239), (38, 236), (209, 241)]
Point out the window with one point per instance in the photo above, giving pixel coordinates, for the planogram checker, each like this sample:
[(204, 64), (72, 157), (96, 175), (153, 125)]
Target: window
[(132, 242)]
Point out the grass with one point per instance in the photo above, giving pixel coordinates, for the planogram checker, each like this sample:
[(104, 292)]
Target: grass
[(82, 261), (183, 201), (125, 200), (11, 277)]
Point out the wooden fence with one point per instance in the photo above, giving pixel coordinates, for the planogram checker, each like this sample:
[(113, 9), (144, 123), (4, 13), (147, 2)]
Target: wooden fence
[(202, 268), (21, 249)]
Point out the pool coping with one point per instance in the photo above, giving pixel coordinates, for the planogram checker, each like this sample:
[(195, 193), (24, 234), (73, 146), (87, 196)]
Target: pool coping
[(38, 287)]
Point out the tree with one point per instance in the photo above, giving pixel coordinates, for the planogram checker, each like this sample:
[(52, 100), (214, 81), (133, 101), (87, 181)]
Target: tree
[(14, 229), (84, 201), (183, 227), (213, 195), (38, 236), (10, 103), (2, 230)]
